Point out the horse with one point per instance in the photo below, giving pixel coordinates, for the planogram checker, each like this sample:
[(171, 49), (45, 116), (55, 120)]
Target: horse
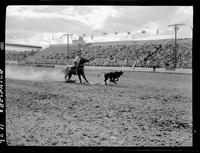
[(76, 70)]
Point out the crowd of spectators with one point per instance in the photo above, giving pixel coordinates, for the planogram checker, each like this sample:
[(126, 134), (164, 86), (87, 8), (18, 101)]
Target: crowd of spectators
[(19, 55), (146, 54)]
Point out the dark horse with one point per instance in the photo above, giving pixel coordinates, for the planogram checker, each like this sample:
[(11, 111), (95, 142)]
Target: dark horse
[(76, 70)]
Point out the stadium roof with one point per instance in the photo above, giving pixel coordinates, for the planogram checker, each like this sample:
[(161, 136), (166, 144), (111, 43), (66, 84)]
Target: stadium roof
[(20, 45)]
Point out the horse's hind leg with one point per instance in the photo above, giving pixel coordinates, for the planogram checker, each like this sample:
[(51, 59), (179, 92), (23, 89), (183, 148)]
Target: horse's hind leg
[(69, 76), (66, 73), (66, 77), (105, 81), (114, 82)]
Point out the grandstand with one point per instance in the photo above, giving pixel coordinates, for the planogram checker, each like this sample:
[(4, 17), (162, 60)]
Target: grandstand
[(118, 53), (62, 48)]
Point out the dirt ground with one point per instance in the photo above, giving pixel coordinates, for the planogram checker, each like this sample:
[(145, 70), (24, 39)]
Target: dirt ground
[(143, 109)]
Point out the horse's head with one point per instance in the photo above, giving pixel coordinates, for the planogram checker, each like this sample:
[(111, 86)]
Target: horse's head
[(83, 60), (121, 72)]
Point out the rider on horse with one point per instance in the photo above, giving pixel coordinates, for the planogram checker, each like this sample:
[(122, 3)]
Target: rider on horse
[(77, 68), (76, 61)]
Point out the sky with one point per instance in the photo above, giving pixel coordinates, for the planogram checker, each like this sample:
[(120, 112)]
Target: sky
[(45, 25)]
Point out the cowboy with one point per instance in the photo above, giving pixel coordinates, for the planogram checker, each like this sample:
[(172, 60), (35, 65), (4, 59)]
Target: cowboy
[(76, 61)]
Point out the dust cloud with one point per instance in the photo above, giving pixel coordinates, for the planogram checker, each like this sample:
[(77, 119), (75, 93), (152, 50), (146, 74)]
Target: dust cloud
[(34, 73)]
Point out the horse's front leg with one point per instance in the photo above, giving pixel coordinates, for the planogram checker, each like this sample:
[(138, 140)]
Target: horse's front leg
[(85, 78), (79, 76)]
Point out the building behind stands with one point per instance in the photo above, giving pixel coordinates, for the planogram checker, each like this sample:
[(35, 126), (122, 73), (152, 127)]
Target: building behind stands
[(79, 41)]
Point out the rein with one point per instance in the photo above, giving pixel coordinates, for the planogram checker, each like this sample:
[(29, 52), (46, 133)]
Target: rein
[(81, 66)]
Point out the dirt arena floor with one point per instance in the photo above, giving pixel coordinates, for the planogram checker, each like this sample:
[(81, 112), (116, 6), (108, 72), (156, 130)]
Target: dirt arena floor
[(143, 109)]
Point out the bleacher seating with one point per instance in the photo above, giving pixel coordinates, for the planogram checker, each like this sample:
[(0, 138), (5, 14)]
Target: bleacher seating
[(123, 53)]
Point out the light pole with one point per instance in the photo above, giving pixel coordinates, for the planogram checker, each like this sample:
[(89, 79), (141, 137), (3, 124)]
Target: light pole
[(192, 34), (67, 42), (176, 27)]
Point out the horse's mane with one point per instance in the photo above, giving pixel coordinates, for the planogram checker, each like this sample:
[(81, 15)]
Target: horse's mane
[(79, 64)]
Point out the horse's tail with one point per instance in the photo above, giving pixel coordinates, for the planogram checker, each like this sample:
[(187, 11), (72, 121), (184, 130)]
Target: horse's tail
[(100, 73)]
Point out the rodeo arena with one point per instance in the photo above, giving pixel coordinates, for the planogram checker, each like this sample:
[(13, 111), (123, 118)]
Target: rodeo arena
[(82, 92)]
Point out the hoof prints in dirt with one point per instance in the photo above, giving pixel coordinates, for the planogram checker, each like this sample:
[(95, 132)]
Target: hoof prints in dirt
[(42, 96), (94, 115), (170, 125)]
